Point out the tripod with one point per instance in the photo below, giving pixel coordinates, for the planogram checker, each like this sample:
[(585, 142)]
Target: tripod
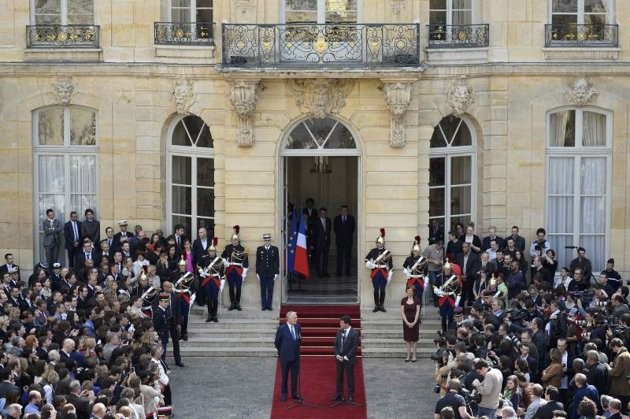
[(300, 400)]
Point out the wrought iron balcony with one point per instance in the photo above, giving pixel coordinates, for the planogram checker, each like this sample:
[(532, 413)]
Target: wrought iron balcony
[(62, 36), (308, 45), (580, 36), (459, 36), (183, 33)]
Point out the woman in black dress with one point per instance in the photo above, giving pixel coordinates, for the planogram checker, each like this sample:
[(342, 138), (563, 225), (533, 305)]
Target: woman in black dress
[(410, 312)]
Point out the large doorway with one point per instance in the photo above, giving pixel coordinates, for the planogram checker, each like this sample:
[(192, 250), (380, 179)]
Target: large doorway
[(321, 163)]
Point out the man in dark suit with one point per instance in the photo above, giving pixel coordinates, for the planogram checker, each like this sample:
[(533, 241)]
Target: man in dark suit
[(179, 237), (344, 226), (86, 252), (72, 236), (492, 235), (122, 235), (9, 266), (287, 343), (200, 245), (267, 271), (161, 322), (346, 343), (174, 321), (322, 227), (471, 264), (52, 237), (90, 227)]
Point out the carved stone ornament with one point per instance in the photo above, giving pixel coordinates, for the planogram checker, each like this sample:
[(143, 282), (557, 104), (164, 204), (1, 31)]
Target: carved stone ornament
[(183, 94), (580, 92), (63, 88), (397, 6), (321, 97), (242, 5), (398, 97), (460, 95), (243, 95)]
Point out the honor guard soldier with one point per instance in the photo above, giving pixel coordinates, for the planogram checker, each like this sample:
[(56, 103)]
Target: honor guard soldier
[(211, 271), (236, 266), (448, 289), (185, 294), (414, 269), (267, 271), (379, 261)]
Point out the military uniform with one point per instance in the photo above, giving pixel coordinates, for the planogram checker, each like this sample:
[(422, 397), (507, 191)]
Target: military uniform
[(380, 263), (212, 274), (267, 271), (186, 297), (236, 267), (415, 270), (448, 289)]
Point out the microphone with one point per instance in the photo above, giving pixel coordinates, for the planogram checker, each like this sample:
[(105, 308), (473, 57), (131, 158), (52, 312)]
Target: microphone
[(570, 247)]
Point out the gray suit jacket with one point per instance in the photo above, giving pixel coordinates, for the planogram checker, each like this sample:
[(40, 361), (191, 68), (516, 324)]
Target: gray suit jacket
[(52, 235)]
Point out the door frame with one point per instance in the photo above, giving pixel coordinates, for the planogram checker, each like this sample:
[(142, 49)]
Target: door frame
[(281, 198)]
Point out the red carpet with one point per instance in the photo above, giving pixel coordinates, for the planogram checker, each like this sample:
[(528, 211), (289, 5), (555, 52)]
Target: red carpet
[(318, 385), (320, 324)]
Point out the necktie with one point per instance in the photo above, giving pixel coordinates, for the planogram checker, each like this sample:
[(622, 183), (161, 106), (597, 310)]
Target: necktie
[(343, 338), (178, 244), (76, 232), (324, 223), (343, 219), (292, 332), (87, 256)]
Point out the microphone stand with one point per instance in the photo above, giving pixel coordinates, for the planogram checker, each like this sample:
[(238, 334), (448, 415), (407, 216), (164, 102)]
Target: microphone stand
[(300, 401)]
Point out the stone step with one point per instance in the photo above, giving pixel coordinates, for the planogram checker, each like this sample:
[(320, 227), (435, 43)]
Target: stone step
[(422, 353), (391, 343), (205, 351), (395, 334)]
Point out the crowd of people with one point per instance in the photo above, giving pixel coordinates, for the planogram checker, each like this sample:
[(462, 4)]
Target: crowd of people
[(88, 338), (520, 341)]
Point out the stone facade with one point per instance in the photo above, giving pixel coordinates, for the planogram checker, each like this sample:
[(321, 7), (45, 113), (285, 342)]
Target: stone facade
[(137, 89)]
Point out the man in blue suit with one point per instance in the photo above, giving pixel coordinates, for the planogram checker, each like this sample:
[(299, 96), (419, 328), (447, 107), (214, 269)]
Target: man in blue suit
[(288, 345)]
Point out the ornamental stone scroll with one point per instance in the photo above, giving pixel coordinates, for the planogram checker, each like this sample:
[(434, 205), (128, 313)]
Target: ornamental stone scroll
[(460, 95), (398, 98), (580, 92), (321, 97), (184, 97), (243, 95)]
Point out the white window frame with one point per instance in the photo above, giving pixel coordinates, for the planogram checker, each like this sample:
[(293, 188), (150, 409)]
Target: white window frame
[(577, 153), (321, 12), (67, 151), (610, 15), (448, 153), (64, 12), (193, 152), (450, 9), (192, 11)]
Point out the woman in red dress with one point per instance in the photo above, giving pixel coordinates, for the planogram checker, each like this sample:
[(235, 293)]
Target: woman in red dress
[(410, 312)]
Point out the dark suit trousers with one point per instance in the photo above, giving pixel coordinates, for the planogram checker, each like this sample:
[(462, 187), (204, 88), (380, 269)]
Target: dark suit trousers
[(294, 367), (73, 252), (344, 253), (175, 339), (321, 261), (467, 292), (52, 254), (348, 368), (266, 291)]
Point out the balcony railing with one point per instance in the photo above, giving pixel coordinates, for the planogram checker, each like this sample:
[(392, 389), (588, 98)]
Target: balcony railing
[(62, 36), (459, 36), (183, 33), (307, 45), (581, 36)]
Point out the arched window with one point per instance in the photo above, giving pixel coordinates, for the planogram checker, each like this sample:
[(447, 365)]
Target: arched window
[(190, 174), (578, 183), (451, 173), (65, 160)]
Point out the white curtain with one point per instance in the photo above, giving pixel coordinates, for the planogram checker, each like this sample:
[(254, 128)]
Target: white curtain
[(558, 128), (594, 131)]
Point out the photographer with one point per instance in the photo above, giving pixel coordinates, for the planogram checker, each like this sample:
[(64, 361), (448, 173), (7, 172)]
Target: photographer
[(489, 388), (539, 246), (454, 400)]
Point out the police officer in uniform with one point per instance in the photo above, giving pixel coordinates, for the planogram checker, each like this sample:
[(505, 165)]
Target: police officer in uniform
[(414, 269), (212, 273), (236, 266), (379, 261), (448, 289), (267, 271)]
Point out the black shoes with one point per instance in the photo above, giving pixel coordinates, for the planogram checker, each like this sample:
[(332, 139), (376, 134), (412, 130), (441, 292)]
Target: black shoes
[(297, 397), (377, 308), (336, 398), (185, 337), (209, 319), (231, 307), (350, 398), (180, 364), (238, 307), (383, 309), (214, 319)]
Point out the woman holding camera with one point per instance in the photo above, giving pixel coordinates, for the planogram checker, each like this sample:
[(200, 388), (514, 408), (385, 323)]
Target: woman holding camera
[(410, 313)]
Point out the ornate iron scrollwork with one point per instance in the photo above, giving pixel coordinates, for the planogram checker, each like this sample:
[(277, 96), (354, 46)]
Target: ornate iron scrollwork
[(574, 35), (62, 36), (183, 33), (459, 36)]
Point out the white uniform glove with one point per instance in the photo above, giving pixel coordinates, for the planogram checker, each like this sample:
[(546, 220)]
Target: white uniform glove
[(389, 276), (407, 273), (222, 285), (202, 273), (226, 263), (275, 277), (438, 292), (244, 274), (370, 265), (459, 297), (258, 277)]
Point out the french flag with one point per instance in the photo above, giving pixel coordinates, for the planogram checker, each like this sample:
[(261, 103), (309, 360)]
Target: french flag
[(300, 264)]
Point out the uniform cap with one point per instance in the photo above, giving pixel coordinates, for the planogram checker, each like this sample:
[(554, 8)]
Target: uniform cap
[(55, 265), (122, 223), (267, 236)]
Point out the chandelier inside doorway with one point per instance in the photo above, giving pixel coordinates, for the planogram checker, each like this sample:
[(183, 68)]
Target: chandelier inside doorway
[(321, 165)]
